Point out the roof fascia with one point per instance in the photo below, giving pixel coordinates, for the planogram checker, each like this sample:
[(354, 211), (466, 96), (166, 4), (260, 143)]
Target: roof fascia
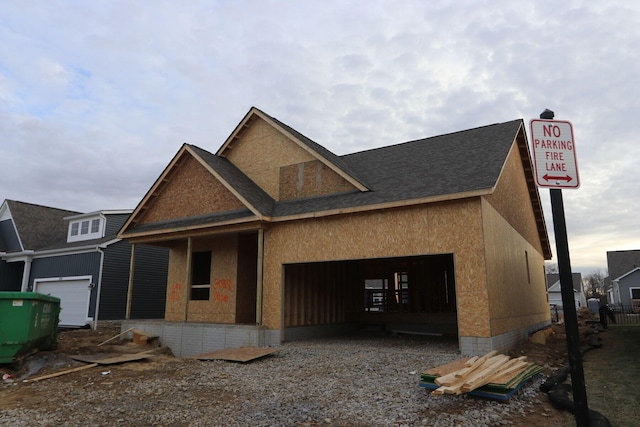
[(523, 146), (195, 231), (388, 205), (156, 185), (96, 213), (256, 112)]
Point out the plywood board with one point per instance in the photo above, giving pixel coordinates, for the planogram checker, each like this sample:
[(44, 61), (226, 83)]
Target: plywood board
[(110, 358), (243, 354)]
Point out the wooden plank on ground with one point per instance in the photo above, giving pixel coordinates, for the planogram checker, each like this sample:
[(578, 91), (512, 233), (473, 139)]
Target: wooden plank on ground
[(110, 358), (57, 374), (243, 354)]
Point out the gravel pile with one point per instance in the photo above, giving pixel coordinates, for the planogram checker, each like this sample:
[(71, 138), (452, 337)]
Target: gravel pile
[(354, 381)]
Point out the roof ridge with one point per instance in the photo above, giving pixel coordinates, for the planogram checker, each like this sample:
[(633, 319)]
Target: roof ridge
[(430, 137)]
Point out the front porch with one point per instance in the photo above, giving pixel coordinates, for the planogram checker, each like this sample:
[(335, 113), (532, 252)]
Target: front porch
[(189, 339)]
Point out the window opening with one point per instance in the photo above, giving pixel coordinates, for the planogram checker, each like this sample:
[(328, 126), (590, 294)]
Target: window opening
[(95, 226), (84, 227), (385, 295), (75, 228), (200, 275)]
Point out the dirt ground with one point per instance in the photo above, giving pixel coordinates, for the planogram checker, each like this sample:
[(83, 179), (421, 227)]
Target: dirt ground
[(552, 355)]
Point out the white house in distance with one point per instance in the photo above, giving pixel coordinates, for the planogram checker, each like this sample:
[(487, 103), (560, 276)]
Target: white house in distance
[(555, 292)]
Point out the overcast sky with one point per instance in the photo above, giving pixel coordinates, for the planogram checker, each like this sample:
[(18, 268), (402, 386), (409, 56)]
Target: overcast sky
[(96, 97)]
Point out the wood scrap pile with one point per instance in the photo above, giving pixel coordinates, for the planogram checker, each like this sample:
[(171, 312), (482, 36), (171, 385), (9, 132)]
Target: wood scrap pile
[(493, 375)]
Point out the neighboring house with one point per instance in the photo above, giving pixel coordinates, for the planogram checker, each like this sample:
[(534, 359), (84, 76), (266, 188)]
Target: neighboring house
[(79, 258), (555, 291), (623, 277), (275, 238)]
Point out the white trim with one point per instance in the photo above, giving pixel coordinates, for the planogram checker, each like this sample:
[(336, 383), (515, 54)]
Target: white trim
[(89, 234), (21, 256), (99, 290), (96, 213), (628, 273)]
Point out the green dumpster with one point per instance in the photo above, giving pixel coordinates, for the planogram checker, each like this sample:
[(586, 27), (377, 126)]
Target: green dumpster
[(28, 323)]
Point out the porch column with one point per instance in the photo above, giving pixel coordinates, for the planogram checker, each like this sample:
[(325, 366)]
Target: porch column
[(187, 280), (26, 272), (259, 276), (132, 267)]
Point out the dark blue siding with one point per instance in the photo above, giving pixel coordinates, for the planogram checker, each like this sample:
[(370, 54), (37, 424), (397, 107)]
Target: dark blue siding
[(115, 281), (149, 286), (87, 264), (114, 223), (9, 237), (150, 282)]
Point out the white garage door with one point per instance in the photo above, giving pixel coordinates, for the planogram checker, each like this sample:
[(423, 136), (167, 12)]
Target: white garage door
[(74, 296)]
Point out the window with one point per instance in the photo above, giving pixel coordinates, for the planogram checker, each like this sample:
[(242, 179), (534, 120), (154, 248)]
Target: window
[(526, 259), (86, 228), (200, 275), (635, 293)]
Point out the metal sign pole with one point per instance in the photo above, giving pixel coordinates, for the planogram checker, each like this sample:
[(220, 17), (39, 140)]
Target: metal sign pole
[(569, 308), (581, 408)]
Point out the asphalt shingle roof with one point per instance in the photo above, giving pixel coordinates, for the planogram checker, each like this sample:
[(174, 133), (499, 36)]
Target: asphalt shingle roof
[(38, 226), (455, 163), (449, 164), (42, 228)]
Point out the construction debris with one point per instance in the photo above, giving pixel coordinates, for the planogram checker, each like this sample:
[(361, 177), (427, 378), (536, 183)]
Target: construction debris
[(243, 354), (494, 376)]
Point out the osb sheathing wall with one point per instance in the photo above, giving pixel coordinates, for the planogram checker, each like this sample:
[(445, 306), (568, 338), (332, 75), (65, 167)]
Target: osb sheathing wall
[(516, 299), (511, 198), (310, 179), (221, 306), (517, 291), (448, 227), (260, 151), (184, 194)]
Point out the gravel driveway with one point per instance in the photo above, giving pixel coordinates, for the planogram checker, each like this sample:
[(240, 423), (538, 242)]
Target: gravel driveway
[(349, 381)]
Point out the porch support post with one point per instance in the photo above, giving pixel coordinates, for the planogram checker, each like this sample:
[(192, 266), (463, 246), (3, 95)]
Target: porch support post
[(260, 267), (187, 280), (26, 273), (132, 267)]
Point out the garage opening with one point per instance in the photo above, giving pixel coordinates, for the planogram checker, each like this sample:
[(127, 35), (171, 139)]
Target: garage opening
[(413, 294)]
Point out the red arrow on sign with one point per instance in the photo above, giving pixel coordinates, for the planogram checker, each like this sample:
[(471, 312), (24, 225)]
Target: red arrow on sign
[(557, 178)]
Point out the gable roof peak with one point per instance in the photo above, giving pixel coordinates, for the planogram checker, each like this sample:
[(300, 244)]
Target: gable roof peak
[(325, 156)]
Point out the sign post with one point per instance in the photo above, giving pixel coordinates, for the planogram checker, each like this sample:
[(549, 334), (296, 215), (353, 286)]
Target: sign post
[(556, 167)]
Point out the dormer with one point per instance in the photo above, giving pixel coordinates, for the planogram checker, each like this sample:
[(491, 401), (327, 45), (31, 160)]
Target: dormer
[(86, 227)]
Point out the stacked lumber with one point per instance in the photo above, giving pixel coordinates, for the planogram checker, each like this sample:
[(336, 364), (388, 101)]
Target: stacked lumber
[(493, 375)]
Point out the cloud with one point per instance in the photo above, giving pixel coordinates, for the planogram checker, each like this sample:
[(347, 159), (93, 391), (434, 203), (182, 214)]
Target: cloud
[(96, 98)]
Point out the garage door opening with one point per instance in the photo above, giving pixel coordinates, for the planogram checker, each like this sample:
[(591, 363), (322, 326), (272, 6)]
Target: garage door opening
[(407, 294)]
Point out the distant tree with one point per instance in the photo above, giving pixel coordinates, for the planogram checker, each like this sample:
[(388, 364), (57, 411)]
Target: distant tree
[(551, 268), (594, 284)]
